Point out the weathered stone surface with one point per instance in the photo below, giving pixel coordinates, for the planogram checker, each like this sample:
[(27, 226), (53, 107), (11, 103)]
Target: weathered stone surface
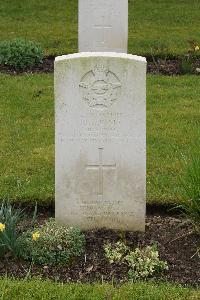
[(101, 140), (103, 25)]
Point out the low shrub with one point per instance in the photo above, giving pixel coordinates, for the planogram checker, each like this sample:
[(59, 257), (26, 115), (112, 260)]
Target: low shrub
[(20, 54), (117, 253), (159, 55), (189, 60), (9, 218), (190, 189), (142, 263), (52, 244)]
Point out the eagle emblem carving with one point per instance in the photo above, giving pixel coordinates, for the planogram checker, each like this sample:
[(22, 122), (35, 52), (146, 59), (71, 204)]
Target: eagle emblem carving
[(100, 87)]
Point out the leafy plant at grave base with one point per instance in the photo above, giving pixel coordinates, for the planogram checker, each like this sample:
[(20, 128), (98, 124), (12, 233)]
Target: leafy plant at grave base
[(116, 254), (52, 244), (9, 218), (190, 184), (20, 54), (142, 263), (188, 61), (159, 54)]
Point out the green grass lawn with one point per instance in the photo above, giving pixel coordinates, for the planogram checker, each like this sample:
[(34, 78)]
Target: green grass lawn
[(38, 289), (54, 24), (27, 135)]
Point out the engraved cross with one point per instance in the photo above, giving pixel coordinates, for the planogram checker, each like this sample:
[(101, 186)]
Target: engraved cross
[(101, 167), (103, 27)]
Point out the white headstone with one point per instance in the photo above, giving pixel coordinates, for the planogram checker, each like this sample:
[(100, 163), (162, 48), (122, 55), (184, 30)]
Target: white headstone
[(100, 140), (103, 25)]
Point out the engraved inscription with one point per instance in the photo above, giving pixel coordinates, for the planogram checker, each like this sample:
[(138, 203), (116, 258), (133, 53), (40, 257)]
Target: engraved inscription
[(100, 167), (100, 87), (103, 127)]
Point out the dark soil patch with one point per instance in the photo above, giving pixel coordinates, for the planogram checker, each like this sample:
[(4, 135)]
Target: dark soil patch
[(164, 67), (46, 67), (177, 244), (168, 67)]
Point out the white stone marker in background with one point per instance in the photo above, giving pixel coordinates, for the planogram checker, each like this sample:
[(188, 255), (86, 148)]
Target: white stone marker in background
[(103, 25), (101, 140)]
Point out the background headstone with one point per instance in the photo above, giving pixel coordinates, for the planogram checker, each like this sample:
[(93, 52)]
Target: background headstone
[(100, 140), (103, 25)]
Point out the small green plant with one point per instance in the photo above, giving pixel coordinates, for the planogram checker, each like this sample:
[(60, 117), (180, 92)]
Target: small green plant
[(141, 263), (9, 218), (115, 254), (190, 184), (144, 263), (20, 54), (159, 54), (51, 244), (188, 61)]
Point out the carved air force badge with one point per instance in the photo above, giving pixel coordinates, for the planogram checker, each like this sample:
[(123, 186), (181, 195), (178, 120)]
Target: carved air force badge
[(100, 87)]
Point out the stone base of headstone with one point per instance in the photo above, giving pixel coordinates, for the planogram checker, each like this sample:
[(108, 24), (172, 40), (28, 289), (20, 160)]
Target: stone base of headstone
[(101, 140)]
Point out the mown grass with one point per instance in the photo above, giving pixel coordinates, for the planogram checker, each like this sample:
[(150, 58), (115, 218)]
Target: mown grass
[(27, 135), (38, 289), (151, 23), (173, 130), (27, 138)]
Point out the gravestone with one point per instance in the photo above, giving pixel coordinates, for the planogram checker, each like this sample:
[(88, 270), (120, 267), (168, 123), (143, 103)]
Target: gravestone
[(100, 140), (103, 25)]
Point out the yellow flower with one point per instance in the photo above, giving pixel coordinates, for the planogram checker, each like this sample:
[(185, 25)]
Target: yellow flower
[(2, 227), (196, 48), (35, 236)]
